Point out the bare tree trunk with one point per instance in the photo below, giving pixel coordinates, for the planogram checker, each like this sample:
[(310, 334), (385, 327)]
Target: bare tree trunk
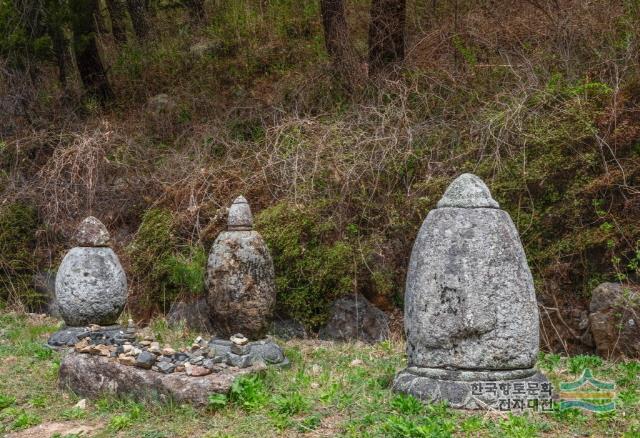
[(118, 20), (100, 17), (386, 33), (92, 71), (139, 18), (60, 44), (338, 42)]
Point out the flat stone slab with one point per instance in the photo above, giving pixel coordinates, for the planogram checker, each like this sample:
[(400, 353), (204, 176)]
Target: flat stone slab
[(94, 376), (507, 394)]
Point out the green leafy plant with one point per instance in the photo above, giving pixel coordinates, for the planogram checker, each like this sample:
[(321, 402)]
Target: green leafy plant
[(217, 401), (549, 361), (24, 420), (74, 414), (579, 363), (407, 404), (291, 404), (518, 426), (6, 401), (249, 392)]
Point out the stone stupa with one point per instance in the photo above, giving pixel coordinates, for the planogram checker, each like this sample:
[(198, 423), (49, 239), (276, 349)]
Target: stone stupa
[(471, 318), (241, 292), (91, 287)]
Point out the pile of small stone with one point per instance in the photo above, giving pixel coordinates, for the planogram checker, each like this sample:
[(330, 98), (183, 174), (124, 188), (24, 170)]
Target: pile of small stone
[(201, 359)]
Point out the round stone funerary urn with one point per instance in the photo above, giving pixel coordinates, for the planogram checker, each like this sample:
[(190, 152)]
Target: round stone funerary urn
[(91, 286), (470, 307), (241, 290)]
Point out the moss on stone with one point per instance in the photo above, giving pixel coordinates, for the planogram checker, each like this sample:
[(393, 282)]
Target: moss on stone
[(162, 263), (313, 264)]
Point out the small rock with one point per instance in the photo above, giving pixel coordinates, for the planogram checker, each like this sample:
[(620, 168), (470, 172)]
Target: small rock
[(181, 357), (356, 363), (198, 371), (240, 349), (83, 346), (180, 368), (166, 367), (154, 347), (145, 360), (104, 350), (209, 364), (168, 351), (127, 348), (239, 339), (315, 385), (127, 360), (145, 343), (82, 404), (196, 360)]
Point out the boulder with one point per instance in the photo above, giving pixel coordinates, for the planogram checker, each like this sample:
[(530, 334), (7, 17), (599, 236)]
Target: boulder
[(614, 317), (194, 315), (471, 314), (353, 318), (241, 289), (287, 329), (95, 376)]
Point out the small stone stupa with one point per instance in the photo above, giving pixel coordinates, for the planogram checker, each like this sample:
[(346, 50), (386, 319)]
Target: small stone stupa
[(240, 278), (91, 286), (471, 318)]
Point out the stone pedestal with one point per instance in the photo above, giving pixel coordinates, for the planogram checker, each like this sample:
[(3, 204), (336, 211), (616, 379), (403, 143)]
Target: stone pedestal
[(95, 376), (470, 308), (491, 390)]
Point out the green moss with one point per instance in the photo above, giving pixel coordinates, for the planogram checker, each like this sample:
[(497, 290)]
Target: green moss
[(18, 225), (314, 264), (164, 265)]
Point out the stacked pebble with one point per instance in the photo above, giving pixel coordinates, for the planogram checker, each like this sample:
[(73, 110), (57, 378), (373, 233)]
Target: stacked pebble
[(201, 359)]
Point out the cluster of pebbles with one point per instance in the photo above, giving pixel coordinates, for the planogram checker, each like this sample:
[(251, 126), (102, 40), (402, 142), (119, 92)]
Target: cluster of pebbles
[(201, 359)]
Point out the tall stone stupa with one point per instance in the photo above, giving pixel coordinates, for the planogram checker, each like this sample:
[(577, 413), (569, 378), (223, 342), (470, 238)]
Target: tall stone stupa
[(471, 316)]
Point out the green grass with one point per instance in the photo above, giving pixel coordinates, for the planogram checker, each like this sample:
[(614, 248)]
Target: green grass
[(321, 394)]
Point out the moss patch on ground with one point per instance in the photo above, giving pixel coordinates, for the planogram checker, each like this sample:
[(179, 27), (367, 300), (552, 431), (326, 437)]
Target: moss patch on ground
[(331, 389)]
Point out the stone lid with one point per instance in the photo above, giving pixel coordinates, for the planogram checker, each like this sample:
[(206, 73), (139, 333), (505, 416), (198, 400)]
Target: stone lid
[(92, 232), (240, 217), (468, 191)]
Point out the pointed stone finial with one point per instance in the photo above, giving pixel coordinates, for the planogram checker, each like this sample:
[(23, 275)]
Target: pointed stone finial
[(240, 217), (91, 233), (468, 191)]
